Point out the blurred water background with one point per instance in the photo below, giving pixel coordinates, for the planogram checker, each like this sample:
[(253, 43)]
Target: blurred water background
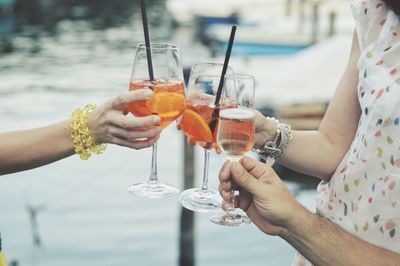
[(57, 55)]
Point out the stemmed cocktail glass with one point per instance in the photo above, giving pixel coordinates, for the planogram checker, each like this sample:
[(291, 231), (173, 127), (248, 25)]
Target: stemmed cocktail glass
[(168, 102), (235, 134), (199, 123)]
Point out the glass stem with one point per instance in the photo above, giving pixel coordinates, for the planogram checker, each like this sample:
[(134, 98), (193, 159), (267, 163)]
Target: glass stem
[(231, 204), (153, 173), (204, 186)]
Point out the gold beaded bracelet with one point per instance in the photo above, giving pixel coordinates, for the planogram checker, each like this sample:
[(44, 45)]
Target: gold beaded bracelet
[(83, 141)]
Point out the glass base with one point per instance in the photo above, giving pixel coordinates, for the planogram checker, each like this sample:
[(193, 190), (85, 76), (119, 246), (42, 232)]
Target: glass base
[(198, 200), (230, 219), (153, 189)]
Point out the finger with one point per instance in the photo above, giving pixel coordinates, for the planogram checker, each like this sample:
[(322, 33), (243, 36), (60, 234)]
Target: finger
[(130, 135), (131, 96), (254, 167), (226, 196), (226, 185), (244, 179), (218, 150), (134, 122), (223, 191), (261, 171), (191, 142), (259, 120), (137, 144), (225, 172)]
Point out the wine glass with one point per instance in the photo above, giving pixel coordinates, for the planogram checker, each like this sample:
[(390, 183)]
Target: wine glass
[(168, 102), (235, 135), (199, 123)]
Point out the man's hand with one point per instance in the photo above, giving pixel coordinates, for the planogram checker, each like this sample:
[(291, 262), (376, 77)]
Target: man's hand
[(263, 195)]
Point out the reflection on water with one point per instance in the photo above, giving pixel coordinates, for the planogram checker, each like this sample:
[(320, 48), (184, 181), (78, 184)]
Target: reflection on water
[(66, 54)]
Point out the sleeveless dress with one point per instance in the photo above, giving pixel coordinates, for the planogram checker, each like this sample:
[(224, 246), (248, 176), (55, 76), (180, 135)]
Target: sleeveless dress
[(363, 195)]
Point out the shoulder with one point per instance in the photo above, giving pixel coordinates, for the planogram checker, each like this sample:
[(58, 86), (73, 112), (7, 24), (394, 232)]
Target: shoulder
[(367, 7), (370, 17)]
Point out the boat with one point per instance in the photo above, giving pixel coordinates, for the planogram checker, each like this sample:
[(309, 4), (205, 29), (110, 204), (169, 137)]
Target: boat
[(265, 27), (259, 40)]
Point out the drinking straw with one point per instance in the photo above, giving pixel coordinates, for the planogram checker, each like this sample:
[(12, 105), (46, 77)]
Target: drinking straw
[(147, 39), (215, 113), (225, 66)]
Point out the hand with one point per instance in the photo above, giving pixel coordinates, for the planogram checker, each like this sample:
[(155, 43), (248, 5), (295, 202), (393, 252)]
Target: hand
[(110, 122), (263, 195), (265, 130)]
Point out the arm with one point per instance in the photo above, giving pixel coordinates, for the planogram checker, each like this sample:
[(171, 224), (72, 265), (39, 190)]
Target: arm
[(32, 148), (275, 211), (319, 152), (324, 243)]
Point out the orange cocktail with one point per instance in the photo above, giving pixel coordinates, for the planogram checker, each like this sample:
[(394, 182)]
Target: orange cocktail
[(196, 122), (205, 99), (200, 121), (168, 101)]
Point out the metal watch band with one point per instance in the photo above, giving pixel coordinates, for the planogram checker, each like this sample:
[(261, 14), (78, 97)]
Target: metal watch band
[(286, 136), (273, 150)]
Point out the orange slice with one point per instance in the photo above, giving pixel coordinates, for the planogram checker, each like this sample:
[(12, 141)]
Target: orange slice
[(195, 127), (167, 102)]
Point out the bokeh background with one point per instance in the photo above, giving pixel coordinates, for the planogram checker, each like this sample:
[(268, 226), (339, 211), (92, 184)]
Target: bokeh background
[(57, 55)]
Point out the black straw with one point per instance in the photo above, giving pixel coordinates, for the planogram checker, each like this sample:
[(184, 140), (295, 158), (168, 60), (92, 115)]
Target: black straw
[(225, 67), (147, 39), (215, 113)]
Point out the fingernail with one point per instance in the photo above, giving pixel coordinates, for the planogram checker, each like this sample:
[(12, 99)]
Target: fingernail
[(148, 93), (156, 120), (237, 169)]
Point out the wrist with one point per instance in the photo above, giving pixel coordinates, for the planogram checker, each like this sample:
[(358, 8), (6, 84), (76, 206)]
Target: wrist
[(273, 150), (84, 143), (93, 127), (267, 132), (298, 222)]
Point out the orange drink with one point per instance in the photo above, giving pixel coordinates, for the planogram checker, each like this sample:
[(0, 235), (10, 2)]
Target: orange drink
[(196, 121), (157, 66), (168, 101), (199, 122), (199, 118)]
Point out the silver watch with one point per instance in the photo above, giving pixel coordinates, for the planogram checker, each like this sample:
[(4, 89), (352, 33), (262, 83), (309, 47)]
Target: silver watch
[(273, 149)]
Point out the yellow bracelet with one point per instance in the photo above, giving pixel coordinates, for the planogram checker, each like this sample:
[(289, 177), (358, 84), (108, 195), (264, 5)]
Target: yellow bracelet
[(83, 141)]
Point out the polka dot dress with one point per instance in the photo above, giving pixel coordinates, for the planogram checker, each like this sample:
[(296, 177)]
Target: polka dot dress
[(363, 195)]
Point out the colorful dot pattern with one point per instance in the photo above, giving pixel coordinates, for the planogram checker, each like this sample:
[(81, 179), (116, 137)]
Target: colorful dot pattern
[(363, 195)]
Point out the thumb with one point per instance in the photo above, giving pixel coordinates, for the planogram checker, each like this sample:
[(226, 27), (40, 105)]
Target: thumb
[(244, 179)]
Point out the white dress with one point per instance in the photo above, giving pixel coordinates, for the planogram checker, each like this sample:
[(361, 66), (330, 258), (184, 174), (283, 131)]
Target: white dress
[(363, 195)]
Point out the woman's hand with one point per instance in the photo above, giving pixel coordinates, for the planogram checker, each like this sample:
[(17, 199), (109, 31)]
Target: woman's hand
[(111, 123), (265, 130), (263, 195)]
